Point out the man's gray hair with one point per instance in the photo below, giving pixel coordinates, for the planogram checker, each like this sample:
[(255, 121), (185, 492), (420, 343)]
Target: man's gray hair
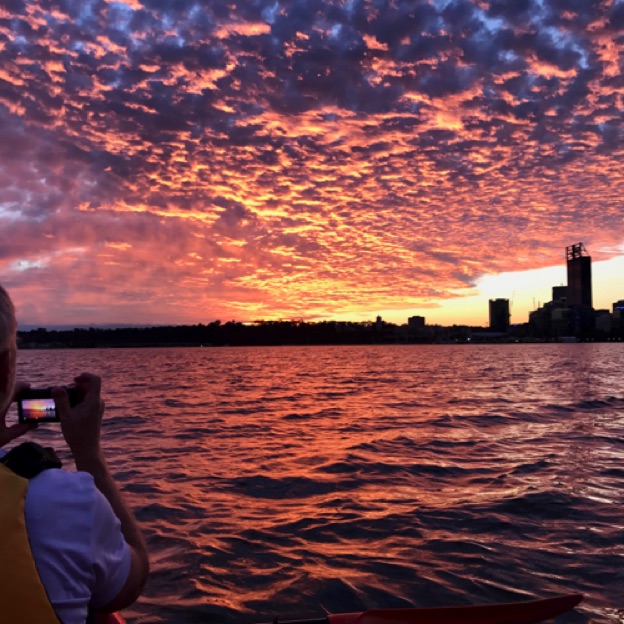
[(8, 323)]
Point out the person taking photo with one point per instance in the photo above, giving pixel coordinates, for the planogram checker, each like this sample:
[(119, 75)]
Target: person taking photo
[(71, 546)]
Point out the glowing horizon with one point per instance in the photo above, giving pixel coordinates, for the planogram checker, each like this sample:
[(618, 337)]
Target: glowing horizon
[(178, 163), (526, 291)]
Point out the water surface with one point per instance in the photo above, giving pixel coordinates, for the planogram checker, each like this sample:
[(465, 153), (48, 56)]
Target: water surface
[(295, 481)]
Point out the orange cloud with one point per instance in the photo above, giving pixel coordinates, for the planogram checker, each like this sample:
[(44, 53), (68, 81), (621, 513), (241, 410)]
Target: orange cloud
[(249, 162)]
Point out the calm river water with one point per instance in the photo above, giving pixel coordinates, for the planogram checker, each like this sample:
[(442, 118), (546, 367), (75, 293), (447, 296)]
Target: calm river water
[(295, 481)]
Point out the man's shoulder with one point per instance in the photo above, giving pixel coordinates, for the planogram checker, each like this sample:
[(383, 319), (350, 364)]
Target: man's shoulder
[(76, 540), (58, 477), (64, 492)]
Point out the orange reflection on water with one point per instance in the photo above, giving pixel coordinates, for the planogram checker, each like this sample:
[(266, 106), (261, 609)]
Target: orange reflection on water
[(303, 480)]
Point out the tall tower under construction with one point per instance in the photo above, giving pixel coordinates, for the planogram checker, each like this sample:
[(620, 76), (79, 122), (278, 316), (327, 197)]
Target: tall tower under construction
[(579, 276)]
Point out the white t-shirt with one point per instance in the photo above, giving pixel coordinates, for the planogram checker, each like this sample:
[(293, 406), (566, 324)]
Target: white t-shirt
[(76, 541)]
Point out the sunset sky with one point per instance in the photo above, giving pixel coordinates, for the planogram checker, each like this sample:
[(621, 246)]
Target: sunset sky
[(178, 161)]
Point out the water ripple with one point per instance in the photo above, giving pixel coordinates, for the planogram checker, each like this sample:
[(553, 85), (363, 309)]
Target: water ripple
[(297, 481)]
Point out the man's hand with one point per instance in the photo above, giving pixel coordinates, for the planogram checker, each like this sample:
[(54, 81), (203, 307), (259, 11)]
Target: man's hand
[(19, 429), (81, 424)]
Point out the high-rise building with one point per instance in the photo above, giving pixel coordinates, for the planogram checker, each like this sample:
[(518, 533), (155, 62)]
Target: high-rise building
[(579, 291), (499, 315)]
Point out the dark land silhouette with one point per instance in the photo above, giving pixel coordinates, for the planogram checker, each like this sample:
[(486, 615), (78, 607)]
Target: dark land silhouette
[(273, 333)]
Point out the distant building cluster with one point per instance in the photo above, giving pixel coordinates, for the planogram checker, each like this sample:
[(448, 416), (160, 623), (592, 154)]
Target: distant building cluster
[(570, 314)]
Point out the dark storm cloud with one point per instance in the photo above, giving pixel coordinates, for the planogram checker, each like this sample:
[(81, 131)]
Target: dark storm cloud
[(616, 16)]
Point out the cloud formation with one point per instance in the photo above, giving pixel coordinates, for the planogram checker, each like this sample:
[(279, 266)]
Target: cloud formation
[(184, 161)]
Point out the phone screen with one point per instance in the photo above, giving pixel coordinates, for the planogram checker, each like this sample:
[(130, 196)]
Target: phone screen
[(37, 410)]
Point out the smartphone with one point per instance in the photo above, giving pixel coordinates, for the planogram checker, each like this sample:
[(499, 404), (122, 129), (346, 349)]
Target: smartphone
[(37, 404)]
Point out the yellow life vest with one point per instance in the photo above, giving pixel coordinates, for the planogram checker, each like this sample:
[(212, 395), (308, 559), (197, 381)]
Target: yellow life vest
[(23, 599)]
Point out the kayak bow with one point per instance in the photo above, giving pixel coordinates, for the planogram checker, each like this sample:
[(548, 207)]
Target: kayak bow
[(527, 612)]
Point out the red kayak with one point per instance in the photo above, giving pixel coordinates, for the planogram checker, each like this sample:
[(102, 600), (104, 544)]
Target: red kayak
[(527, 612)]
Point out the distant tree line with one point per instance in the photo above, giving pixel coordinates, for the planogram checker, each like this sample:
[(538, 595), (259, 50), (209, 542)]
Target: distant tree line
[(232, 333)]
